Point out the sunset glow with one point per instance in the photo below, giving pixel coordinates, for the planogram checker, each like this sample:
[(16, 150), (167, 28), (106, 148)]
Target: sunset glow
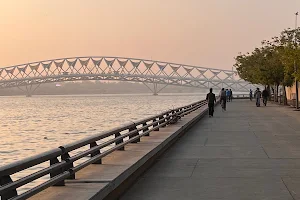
[(197, 32)]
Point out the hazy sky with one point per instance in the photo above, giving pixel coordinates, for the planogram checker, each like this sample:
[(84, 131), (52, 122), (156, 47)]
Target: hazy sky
[(207, 33)]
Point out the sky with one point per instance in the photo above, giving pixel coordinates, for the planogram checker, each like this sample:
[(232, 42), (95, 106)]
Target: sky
[(206, 33)]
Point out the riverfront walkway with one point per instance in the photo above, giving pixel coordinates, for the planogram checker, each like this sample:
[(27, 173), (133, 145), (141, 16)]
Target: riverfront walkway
[(246, 153)]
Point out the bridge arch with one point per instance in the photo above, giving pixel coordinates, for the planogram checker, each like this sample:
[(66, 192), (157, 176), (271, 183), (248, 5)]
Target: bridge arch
[(119, 69)]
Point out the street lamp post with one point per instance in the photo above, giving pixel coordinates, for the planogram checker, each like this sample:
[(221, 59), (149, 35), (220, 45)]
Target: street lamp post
[(295, 65)]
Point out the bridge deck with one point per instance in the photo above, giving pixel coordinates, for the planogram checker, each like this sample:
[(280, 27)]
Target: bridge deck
[(244, 153)]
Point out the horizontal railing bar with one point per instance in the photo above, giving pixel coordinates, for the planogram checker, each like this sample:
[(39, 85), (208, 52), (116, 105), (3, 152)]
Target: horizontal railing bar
[(154, 122), (29, 162), (151, 124), (95, 158), (100, 146), (150, 118), (31, 177), (86, 141), (189, 110), (43, 186), (109, 142)]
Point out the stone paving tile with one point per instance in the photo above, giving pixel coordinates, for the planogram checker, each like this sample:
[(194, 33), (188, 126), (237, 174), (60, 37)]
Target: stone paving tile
[(208, 189), (293, 185), (243, 153), (172, 168), (215, 152)]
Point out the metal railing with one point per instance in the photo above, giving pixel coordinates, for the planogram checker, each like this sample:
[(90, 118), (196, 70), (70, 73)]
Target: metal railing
[(66, 168), (241, 96)]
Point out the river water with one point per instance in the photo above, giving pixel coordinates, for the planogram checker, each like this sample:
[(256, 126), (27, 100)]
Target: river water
[(33, 125)]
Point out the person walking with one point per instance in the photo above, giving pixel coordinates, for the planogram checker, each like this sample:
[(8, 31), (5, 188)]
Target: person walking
[(211, 100), (223, 99), (227, 95), (250, 95), (265, 95), (257, 95), (230, 95)]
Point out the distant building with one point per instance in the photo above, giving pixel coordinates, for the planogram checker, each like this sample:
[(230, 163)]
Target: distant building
[(291, 94)]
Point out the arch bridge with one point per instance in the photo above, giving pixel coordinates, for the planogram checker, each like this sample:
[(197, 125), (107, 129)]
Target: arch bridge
[(153, 74)]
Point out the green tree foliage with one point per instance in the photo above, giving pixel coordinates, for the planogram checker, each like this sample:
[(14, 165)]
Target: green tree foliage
[(273, 62), (289, 42), (262, 66)]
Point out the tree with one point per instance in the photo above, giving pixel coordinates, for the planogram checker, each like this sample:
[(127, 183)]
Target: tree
[(262, 66), (273, 63)]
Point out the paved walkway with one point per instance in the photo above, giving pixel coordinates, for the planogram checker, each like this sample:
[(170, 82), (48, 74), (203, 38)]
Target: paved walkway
[(246, 153)]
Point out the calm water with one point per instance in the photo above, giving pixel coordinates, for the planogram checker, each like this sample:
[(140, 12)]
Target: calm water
[(33, 125)]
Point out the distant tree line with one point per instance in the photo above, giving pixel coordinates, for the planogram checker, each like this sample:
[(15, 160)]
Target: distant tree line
[(272, 64)]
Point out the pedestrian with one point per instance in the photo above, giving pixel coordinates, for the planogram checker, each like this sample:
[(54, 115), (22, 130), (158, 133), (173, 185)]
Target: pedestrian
[(220, 93), (250, 95), (257, 95), (211, 100), (230, 95), (223, 99), (227, 95), (265, 95)]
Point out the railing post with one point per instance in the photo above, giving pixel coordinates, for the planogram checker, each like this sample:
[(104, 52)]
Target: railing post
[(56, 172), (93, 144), (65, 156), (119, 141), (146, 129), (132, 128), (155, 124), (160, 118), (174, 113), (183, 111), (12, 193), (169, 115)]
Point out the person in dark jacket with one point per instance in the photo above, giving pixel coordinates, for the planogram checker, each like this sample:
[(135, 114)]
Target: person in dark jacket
[(211, 100), (265, 95)]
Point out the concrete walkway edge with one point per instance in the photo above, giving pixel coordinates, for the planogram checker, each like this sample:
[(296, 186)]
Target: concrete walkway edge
[(103, 182)]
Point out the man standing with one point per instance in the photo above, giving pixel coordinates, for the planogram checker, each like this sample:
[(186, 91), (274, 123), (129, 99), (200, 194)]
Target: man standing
[(265, 95), (230, 95), (211, 100)]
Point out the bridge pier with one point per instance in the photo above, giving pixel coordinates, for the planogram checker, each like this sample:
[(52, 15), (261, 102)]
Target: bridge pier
[(155, 92), (155, 89), (29, 90)]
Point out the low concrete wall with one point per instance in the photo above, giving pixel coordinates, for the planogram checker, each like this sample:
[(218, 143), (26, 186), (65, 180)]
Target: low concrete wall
[(121, 168)]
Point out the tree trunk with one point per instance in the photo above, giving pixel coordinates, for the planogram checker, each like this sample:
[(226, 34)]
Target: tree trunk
[(269, 91), (276, 93), (273, 92), (284, 96)]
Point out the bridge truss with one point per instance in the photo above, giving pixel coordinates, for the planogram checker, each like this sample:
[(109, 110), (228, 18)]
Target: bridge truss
[(31, 75)]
